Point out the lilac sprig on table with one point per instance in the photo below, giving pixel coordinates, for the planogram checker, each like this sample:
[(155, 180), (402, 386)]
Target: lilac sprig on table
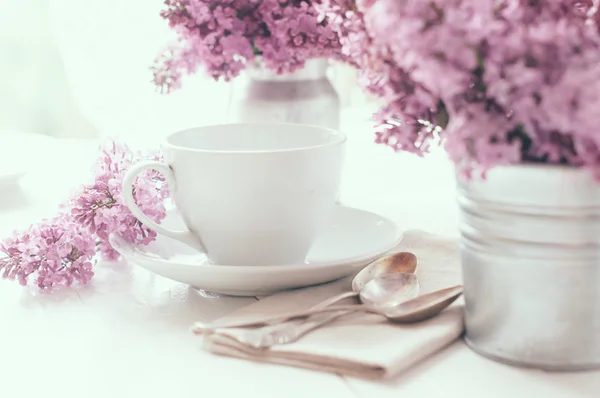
[(52, 253), (500, 82), (224, 36), (62, 250)]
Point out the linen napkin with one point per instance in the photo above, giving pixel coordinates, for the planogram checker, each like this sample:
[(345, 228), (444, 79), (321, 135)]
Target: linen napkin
[(360, 345)]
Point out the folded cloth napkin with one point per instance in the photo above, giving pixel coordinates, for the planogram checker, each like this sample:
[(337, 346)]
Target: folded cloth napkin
[(360, 345)]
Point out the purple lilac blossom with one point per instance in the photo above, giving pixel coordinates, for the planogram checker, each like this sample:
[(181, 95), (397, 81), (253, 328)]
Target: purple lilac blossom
[(223, 36), (500, 82)]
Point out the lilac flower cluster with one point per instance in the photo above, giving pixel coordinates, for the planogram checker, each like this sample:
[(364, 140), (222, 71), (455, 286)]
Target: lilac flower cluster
[(358, 48), (59, 251), (224, 36), (54, 252), (500, 82)]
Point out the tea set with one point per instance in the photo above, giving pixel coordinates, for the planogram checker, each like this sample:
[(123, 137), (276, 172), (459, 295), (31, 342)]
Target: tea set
[(257, 213)]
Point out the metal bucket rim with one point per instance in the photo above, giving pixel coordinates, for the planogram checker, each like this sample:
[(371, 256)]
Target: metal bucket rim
[(534, 185)]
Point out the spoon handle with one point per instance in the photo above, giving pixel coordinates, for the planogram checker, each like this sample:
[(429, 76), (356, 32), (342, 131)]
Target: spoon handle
[(334, 299), (290, 331), (202, 328)]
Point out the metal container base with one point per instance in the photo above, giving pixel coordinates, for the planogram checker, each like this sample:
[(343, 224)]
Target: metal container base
[(530, 253), (548, 367)]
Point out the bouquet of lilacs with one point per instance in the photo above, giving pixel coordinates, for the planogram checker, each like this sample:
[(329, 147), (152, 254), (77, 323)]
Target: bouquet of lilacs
[(224, 36), (499, 81), (63, 249)]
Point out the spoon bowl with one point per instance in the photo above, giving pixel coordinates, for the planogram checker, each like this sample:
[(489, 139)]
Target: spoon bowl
[(390, 290), (397, 263), (424, 307), (402, 262)]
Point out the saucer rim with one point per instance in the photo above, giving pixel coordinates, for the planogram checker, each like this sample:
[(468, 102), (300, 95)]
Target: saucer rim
[(205, 263)]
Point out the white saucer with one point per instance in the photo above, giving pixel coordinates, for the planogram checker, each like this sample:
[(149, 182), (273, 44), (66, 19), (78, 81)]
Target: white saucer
[(351, 240)]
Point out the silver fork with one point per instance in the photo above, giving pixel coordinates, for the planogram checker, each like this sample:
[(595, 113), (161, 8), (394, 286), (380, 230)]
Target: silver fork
[(290, 331)]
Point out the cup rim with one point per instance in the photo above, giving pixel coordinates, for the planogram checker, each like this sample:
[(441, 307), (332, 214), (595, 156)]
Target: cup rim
[(339, 138)]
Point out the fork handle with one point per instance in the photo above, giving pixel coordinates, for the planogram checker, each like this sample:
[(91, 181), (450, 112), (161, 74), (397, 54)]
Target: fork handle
[(289, 332)]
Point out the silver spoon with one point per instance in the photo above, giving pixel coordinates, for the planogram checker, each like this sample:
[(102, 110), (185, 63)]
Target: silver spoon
[(402, 262), (414, 310), (385, 291)]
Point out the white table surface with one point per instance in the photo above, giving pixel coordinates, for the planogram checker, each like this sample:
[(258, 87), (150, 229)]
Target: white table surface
[(127, 334)]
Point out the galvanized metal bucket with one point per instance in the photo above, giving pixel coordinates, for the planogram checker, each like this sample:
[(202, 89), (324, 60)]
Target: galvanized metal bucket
[(530, 248)]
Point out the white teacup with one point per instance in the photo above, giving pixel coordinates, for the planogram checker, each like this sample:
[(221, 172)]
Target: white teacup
[(249, 193)]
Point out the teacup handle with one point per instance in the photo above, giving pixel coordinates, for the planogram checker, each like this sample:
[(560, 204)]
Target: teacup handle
[(185, 236)]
